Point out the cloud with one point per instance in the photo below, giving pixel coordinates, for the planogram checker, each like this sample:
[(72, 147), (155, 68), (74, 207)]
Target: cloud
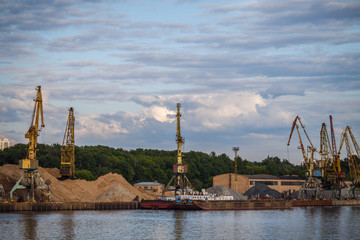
[(159, 113), (242, 71), (94, 126)]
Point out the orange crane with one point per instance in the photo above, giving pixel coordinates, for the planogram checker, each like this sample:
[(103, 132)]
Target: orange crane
[(30, 164), (67, 168), (311, 183), (353, 158), (180, 169)]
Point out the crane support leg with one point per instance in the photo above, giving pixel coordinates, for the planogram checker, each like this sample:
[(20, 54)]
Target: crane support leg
[(17, 186)]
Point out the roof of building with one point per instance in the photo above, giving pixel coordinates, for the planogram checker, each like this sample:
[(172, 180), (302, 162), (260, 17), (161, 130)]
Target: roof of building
[(148, 183), (270, 177), (261, 176), (291, 177)]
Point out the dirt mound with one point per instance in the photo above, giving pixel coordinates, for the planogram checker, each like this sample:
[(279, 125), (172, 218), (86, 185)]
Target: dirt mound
[(263, 191), (110, 187), (222, 190)]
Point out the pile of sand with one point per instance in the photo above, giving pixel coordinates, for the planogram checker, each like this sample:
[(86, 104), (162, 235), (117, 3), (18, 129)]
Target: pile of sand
[(110, 187)]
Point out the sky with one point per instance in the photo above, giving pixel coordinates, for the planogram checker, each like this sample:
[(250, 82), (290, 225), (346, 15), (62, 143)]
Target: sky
[(242, 71)]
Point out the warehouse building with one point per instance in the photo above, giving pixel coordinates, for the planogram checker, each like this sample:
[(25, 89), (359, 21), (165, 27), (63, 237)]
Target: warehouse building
[(245, 182), (153, 187)]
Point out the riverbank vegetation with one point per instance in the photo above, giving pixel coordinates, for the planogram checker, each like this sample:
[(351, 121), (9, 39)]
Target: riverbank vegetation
[(152, 165)]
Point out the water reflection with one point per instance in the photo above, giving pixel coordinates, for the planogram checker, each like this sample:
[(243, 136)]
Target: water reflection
[(299, 223), (179, 221), (67, 224), (30, 224)]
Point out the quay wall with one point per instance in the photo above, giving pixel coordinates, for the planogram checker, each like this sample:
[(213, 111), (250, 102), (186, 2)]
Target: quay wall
[(62, 206)]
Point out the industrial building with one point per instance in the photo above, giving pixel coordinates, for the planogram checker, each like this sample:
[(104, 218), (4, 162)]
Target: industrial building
[(154, 187), (242, 183)]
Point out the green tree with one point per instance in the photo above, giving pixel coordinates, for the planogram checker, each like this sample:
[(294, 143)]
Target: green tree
[(84, 174)]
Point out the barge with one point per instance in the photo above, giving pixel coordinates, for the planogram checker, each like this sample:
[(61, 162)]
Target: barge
[(157, 204), (262, 204)]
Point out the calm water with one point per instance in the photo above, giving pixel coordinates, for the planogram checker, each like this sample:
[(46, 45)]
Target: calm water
[(298, 223)]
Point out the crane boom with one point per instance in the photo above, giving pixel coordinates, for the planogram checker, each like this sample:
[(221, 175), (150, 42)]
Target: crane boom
[(352, 156), (336, 157), (31, 162), (311, 183), (308, 163), (67, 169)]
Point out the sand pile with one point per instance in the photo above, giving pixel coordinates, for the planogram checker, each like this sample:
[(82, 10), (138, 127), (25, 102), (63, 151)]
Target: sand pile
[(222, 190), (110, 187), (263, 191)]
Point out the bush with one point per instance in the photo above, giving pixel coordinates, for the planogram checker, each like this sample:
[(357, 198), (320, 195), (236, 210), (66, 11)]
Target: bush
[(84, 174)]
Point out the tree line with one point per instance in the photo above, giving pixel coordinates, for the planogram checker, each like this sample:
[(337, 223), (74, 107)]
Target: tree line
[(144, 165)]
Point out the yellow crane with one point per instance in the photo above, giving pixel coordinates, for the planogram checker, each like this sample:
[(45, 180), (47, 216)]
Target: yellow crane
[(180, 180), (336, 156), (330, 163), (30, 164), (67, 168), (312, 183), (309, 163), (353, 158)]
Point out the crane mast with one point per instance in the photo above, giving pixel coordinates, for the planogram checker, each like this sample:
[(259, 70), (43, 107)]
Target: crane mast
[(336, 157), (325, 150), (179, 139), (181, 182), (67, 168), (30, 164)]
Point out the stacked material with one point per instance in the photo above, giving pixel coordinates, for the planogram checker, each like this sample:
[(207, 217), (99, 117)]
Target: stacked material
[(222, 190), (262, 191), (107, 188)]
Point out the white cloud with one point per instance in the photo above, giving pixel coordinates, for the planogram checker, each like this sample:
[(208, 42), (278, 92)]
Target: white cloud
[(159, 113), (224, 109), (92, 126)]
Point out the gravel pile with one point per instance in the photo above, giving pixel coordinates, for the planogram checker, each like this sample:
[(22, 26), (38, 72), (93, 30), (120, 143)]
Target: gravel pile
[(262, 190), (222, 190), (110, 187)]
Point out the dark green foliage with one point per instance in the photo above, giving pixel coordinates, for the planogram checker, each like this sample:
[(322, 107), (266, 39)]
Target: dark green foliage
[(84, 174), (13, 154), (150, 165)]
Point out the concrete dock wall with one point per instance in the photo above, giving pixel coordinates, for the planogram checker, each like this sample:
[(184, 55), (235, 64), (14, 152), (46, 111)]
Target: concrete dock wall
[(304, 203), (59, 206)]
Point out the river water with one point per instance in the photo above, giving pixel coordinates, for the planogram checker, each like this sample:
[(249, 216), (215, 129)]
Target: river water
[(297, 223)]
